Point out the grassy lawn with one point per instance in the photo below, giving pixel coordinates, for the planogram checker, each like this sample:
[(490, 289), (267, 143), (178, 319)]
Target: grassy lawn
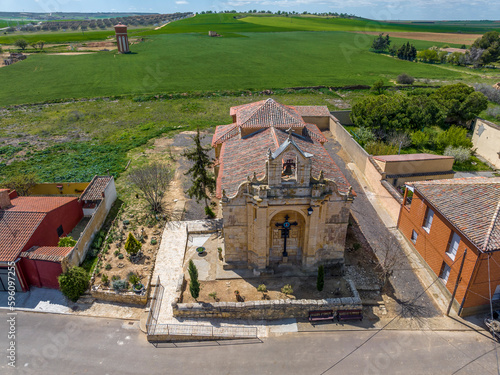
[(200, 63), (75, 141)]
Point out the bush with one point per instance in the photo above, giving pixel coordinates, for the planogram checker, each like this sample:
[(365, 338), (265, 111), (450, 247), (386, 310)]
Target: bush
[(365, 135), (108, 267), (455, 136), (105, 279), (491, 93), (132, 246), (405, 79), (287, 289), (494, 112), (120, 284), (66, 242), (461, 154), (320, 282), (194, 284), (420, 139), (134, 279), (209, 212), (74, 283), (380, 148)]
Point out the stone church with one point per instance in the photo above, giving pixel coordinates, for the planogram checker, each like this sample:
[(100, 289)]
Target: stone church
[(284, 200)]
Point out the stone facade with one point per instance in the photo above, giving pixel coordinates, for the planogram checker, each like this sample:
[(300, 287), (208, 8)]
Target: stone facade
[(289, 178)]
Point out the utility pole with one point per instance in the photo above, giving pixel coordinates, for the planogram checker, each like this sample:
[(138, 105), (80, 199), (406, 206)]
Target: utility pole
[(456, 283)]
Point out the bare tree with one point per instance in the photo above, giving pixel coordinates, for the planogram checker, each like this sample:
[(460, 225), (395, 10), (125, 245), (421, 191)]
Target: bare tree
[(390, 259), (152, 180)]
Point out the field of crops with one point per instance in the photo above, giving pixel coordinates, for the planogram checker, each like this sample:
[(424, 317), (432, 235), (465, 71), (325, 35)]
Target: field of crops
[(193, 62)]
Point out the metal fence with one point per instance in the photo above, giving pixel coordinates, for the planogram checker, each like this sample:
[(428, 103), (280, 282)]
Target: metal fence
[(154, 308), (206, 331)]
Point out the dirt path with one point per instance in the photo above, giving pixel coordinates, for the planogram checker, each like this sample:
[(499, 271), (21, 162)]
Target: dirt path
[(433, 37)]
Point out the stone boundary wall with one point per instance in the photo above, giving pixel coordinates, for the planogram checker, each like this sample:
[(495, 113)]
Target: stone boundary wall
[(122, 297), (344, 117), (349, 144), (268, 310)]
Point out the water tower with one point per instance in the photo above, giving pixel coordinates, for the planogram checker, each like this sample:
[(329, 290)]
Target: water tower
[(122, 38)]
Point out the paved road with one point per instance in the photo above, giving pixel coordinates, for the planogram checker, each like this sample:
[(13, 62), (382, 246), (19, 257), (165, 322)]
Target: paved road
[(407, 286), (64, 344)]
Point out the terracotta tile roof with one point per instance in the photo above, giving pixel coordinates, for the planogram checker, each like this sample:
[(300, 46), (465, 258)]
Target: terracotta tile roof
[(312, 131), (236, 164), (16, 228), (312, 110), (94, 190), (38, 204), (50, 253), (224, 132), (410, 157), (471, 205), (267, 113)]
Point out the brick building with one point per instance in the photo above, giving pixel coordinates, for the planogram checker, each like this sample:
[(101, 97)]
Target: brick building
[(443, 218), (278, 185)]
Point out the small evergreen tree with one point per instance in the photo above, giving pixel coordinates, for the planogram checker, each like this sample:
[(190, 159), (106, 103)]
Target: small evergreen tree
[(194, 284), (132, 246), (73, 283), (381, 43), (203, 180), (378, 86), (320, 283)]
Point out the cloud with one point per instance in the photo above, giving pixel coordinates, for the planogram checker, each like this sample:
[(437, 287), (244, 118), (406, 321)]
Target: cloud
[(181, 2)]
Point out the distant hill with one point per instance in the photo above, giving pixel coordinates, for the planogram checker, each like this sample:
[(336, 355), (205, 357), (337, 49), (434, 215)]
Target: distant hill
[(65, 16)]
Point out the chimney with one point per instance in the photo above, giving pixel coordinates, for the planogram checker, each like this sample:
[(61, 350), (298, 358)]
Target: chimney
[(4, 198)]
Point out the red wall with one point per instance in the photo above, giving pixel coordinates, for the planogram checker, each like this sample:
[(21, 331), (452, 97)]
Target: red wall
[(41, 273), (68, 216)]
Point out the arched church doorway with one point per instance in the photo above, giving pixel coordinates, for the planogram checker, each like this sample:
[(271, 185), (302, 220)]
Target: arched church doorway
[(286, 226)]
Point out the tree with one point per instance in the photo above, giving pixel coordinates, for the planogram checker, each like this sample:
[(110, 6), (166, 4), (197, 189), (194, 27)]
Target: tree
[(405, 79), (41, 44), (152, 180), (22, 183), (34, 45), (21, 43), (132, 246), (490, 44), (320, 282), (73, 283), (194, 284), (378, 86), (66, 242), (381, 43), (203, 180), (390, 257)]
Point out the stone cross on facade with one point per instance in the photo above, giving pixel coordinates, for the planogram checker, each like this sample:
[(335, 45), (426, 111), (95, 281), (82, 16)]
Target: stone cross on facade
[(285, 232)]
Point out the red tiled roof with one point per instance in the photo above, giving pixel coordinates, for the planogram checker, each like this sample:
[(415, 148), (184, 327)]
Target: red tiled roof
[(16, 228), (223, 132), (50, 253), (471, 205), (94, 190), (312, 110), (410, 157), (267, 113), (237, 165), (38, 204)]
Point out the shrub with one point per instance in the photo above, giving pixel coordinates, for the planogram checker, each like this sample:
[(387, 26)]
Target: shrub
[(134, 279), (420, 139), (287, 289), (320, 282), (120, 284), (66, 242), (491, 93), (74, 283), (455, 136), (365, 135), (262, 288), (105, 279), (380, 148), (405, 79), (461, 154), (120, 256), (132, 246), (115, 277), (108, 267), (194, 284), (117, 252), (378, 86), (209, 212), (213, 295), (398, 139), (494, 112)]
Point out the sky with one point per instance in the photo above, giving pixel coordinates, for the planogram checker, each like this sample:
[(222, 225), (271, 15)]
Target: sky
[(373, 9)]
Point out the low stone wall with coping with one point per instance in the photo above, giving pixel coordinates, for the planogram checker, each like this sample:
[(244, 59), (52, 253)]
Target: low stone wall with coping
[(111, 295), (266, 309)]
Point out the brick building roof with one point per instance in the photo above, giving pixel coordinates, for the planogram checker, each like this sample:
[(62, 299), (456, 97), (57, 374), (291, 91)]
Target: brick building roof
[(49, 253), (267, 113), (471, 205), (19, 221), (313, 110), (94, 190)]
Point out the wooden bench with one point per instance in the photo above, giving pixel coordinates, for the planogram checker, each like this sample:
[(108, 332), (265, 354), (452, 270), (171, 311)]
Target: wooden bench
[(316, 316), (355, 314)]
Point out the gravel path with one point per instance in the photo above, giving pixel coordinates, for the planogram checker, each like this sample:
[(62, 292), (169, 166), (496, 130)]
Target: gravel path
[(406, 284)]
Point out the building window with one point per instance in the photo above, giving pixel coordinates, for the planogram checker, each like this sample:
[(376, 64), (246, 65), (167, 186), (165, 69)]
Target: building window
[(428, 220), (445, 272), (414, 236), (453, 248), (60, 231)]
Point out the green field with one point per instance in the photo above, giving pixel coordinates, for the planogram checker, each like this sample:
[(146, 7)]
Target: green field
[(193, 62)]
